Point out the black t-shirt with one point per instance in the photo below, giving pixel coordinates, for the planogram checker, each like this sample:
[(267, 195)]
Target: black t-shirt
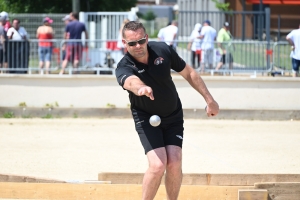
[(157, 75)]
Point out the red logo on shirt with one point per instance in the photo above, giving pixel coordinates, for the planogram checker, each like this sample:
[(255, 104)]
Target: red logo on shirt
[(158, 61)]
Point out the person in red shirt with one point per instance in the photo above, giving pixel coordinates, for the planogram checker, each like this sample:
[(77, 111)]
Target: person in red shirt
[(45, 33)]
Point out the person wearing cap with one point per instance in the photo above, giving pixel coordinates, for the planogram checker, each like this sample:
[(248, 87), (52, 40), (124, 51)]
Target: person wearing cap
[(18, 47), (195, 45), (45, 34), (223, 39), (3, 41), (74, 49), (7, 24), (66, 19), (208, 35)]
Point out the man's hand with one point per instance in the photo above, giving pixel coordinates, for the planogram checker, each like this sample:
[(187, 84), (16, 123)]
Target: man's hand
[(147, 91), (212, 109)]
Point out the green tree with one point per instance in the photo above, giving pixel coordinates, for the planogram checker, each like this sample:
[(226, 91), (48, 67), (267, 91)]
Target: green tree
[(60, 6), (149, 15), (221, 6)]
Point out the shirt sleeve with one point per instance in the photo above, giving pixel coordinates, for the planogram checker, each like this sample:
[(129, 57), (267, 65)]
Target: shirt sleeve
[(1, 31), (220, 37), (23, 31), (9, 32), (192, 36), (123, 71), (83, 27), (67, 28), (178, 64), (203, 30), (290, 35)]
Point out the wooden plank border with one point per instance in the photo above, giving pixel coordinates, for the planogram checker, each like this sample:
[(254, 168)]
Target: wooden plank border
[(204, 179), (68, 191), (27, 179)]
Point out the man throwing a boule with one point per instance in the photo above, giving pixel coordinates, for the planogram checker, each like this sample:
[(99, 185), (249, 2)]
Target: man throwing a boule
[(145, 72)]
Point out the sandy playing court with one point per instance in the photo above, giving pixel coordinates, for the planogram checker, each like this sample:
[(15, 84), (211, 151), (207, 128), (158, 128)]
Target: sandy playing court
[(78, 149)]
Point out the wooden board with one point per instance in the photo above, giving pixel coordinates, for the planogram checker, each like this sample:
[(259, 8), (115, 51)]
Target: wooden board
[(281, 191), (67, 191), (28, 179), (205, 179), (255, 194)]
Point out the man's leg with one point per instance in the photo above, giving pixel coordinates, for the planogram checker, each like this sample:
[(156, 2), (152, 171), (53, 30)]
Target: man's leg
[(173, 177), (47, 66), (41, 66), (63, 66), (211, 58), (203, 60), (157, 159), (219, 66)]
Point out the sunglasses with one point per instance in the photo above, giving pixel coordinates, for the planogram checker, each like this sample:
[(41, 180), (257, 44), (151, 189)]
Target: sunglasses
[(133, 43)]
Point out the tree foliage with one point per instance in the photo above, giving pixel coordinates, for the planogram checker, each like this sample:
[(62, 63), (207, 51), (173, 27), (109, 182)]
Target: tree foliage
[(148, 16), (64, 6), (221, 6)]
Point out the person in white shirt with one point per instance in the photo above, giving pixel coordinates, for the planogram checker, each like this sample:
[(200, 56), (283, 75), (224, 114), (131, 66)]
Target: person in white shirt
[(18, 47), (208, 35), (195, 45), (16, 32), (294, 40), (160, 34), (169, 34)]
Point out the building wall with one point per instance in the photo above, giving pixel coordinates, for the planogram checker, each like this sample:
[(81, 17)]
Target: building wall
[(289, 16)]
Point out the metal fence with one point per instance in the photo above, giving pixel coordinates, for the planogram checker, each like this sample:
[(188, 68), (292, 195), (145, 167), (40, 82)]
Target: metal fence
[(248, 57), (244, 25), (32, 21)]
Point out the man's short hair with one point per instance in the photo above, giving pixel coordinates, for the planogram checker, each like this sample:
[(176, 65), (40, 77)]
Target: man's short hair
[(132, 26), (75, 15), (206, 22), (174, 22), (16, 20)]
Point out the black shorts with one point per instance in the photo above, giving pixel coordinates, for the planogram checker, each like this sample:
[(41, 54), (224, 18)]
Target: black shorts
[(224, 58), (169, 132)]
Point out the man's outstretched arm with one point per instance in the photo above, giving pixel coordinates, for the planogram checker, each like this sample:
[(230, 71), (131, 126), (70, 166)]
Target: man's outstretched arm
[(135, 85), (198, 84)]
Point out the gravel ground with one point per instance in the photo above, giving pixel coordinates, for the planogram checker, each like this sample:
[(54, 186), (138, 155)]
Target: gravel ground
[(78, 149)]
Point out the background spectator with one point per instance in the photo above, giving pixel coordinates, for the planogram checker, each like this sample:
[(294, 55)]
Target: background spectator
[(74, 49), (3, 43), (223, 39), (18, 47), (120, 37), (294, 40), (66, 19), (7, 24), (160, 35), (45, 33), (208, 36), (195, 45), (169, 34)]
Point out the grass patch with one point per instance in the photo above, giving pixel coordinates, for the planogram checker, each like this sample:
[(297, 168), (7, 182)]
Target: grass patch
[(9, 115), (48, 116)]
